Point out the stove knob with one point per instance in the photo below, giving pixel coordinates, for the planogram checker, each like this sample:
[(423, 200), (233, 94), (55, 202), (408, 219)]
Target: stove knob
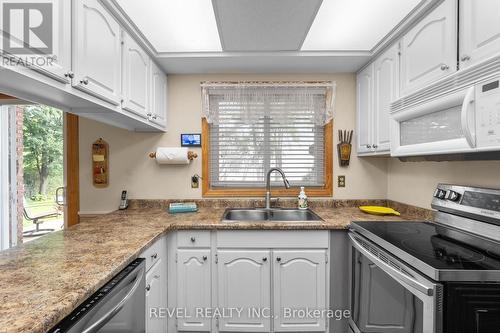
[(440, 194), (453, 196)]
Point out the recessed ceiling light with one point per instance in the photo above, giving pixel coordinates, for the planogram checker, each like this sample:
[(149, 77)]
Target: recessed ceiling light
[(175, 25), (355, 24)]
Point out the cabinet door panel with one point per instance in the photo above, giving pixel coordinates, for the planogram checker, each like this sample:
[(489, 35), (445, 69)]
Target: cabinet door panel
[(386, 81), (136, 77), (429, 50), (156, 297), (97, 51), (479, 31), (299, 284), (244, 281), (56, 63), (193, 288), (158, 95), (364, 85)]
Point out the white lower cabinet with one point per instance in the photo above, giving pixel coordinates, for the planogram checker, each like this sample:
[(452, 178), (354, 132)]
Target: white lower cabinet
[(156, 298), (243, 282), (249, 279), (156, 286), (193, 289), (299, 282)]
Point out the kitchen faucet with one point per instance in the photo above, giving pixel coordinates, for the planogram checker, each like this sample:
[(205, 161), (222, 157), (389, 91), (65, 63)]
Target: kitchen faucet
[(268, 184)]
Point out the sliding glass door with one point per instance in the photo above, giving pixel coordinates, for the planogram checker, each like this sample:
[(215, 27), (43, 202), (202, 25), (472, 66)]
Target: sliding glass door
[(32, 174)]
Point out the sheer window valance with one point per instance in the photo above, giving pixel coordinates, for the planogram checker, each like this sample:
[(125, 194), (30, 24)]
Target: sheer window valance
[(277, 100)]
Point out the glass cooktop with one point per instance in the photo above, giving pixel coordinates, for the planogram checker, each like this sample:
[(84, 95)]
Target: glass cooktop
[(438, 246)]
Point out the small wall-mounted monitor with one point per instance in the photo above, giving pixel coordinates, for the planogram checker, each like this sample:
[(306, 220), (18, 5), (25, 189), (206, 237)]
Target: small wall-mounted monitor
[(191, 140)]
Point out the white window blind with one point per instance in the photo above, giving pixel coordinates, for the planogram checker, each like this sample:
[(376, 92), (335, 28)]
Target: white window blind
[(272, 128)]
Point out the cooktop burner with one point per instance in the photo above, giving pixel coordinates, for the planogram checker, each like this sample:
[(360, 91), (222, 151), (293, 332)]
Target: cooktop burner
[(436, 245)]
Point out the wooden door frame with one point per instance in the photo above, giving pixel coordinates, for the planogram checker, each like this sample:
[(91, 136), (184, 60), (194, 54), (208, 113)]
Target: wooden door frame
[(72, 164)]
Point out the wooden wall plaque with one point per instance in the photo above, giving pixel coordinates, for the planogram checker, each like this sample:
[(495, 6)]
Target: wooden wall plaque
[(100, 163)]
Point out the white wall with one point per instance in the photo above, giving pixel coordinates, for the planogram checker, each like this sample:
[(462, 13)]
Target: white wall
[(131, 168), (414, 182)]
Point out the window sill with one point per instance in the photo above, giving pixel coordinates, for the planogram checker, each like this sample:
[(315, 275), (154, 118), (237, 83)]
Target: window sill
[(243, 192)]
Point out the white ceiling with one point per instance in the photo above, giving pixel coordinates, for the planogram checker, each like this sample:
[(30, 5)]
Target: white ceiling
[(220, 36)]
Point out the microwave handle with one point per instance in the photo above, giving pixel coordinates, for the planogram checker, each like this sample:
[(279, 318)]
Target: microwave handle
[(467, 106), (391, 271), (117, 308)]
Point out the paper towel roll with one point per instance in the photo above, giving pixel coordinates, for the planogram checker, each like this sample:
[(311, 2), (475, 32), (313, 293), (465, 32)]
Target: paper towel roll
[(172, 155)]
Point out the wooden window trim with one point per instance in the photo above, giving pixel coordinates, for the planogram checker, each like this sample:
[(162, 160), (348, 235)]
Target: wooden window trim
[(73, 169), (208, 192)]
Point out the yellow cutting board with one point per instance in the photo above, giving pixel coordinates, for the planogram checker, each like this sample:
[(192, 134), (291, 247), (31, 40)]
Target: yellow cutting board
[(378, 210)]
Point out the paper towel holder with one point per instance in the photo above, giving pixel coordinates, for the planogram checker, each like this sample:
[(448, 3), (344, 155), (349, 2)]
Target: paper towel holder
[(191, 155)]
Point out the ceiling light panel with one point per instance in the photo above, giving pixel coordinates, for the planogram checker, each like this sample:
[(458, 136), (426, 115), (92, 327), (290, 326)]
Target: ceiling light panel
[(264, 25), (175, 25), (355, 24)]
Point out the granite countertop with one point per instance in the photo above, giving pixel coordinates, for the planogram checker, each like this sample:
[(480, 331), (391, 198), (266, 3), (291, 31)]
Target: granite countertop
[(42, 281)]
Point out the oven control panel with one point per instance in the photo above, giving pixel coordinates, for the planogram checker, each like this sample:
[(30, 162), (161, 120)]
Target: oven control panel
[(488, 113), (480, 203)]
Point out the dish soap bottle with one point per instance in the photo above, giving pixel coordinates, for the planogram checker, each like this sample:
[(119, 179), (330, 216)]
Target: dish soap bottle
[(303, 199)]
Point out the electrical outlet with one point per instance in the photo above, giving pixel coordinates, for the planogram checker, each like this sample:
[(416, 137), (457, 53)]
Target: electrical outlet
[(341, 181), (195, 181)]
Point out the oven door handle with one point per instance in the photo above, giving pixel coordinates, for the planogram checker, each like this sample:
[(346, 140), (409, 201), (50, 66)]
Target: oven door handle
[(391, 271), (111, 313)]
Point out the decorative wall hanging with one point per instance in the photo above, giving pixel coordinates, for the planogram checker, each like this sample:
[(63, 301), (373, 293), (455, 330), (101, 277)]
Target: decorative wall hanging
[(344, 147), (100, 163)]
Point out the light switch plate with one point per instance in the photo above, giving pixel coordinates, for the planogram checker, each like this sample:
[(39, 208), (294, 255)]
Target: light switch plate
[(341, 181)]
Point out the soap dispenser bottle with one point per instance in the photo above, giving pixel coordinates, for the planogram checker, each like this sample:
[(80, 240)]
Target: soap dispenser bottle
[(303, 199)]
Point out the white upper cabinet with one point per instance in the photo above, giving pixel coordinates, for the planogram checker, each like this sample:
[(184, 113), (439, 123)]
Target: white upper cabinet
[(244, 281), (193, 288), (158, 100), (299, 283), (56, 63), (364, 89), (386, 88), (429, 50), (479, 31), (136, 77), (97, 51)]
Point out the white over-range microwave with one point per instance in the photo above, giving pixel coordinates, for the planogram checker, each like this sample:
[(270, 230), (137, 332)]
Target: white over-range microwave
[(465, 121)]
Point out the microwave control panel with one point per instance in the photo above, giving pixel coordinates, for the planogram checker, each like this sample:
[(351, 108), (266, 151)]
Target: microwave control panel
[(488, 113)]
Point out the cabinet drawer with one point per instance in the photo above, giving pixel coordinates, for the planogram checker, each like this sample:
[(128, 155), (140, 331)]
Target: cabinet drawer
[(274, 239), (154, 253), (193, 239)]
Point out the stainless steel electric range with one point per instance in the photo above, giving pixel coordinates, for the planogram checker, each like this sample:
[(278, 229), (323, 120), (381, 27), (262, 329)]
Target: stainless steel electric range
[(430, 277)]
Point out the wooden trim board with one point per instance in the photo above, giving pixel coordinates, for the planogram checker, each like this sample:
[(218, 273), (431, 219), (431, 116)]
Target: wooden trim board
[(73, 167)]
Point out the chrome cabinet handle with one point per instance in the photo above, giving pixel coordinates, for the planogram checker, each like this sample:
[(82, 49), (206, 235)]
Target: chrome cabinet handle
[(465, 58), (154, 256), (445, 67), (264, 259), (70, 74), (193, 239), (148, 287), (155, 116), (84, 81), (205, 258), (278, 259), (375, 146), (368, 146)]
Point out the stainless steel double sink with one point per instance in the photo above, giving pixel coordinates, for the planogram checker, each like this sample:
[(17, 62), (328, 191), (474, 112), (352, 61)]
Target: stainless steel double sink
[(269, 215)]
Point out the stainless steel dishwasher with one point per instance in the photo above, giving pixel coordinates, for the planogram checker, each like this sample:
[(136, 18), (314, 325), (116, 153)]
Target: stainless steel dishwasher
[(119, 306)]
